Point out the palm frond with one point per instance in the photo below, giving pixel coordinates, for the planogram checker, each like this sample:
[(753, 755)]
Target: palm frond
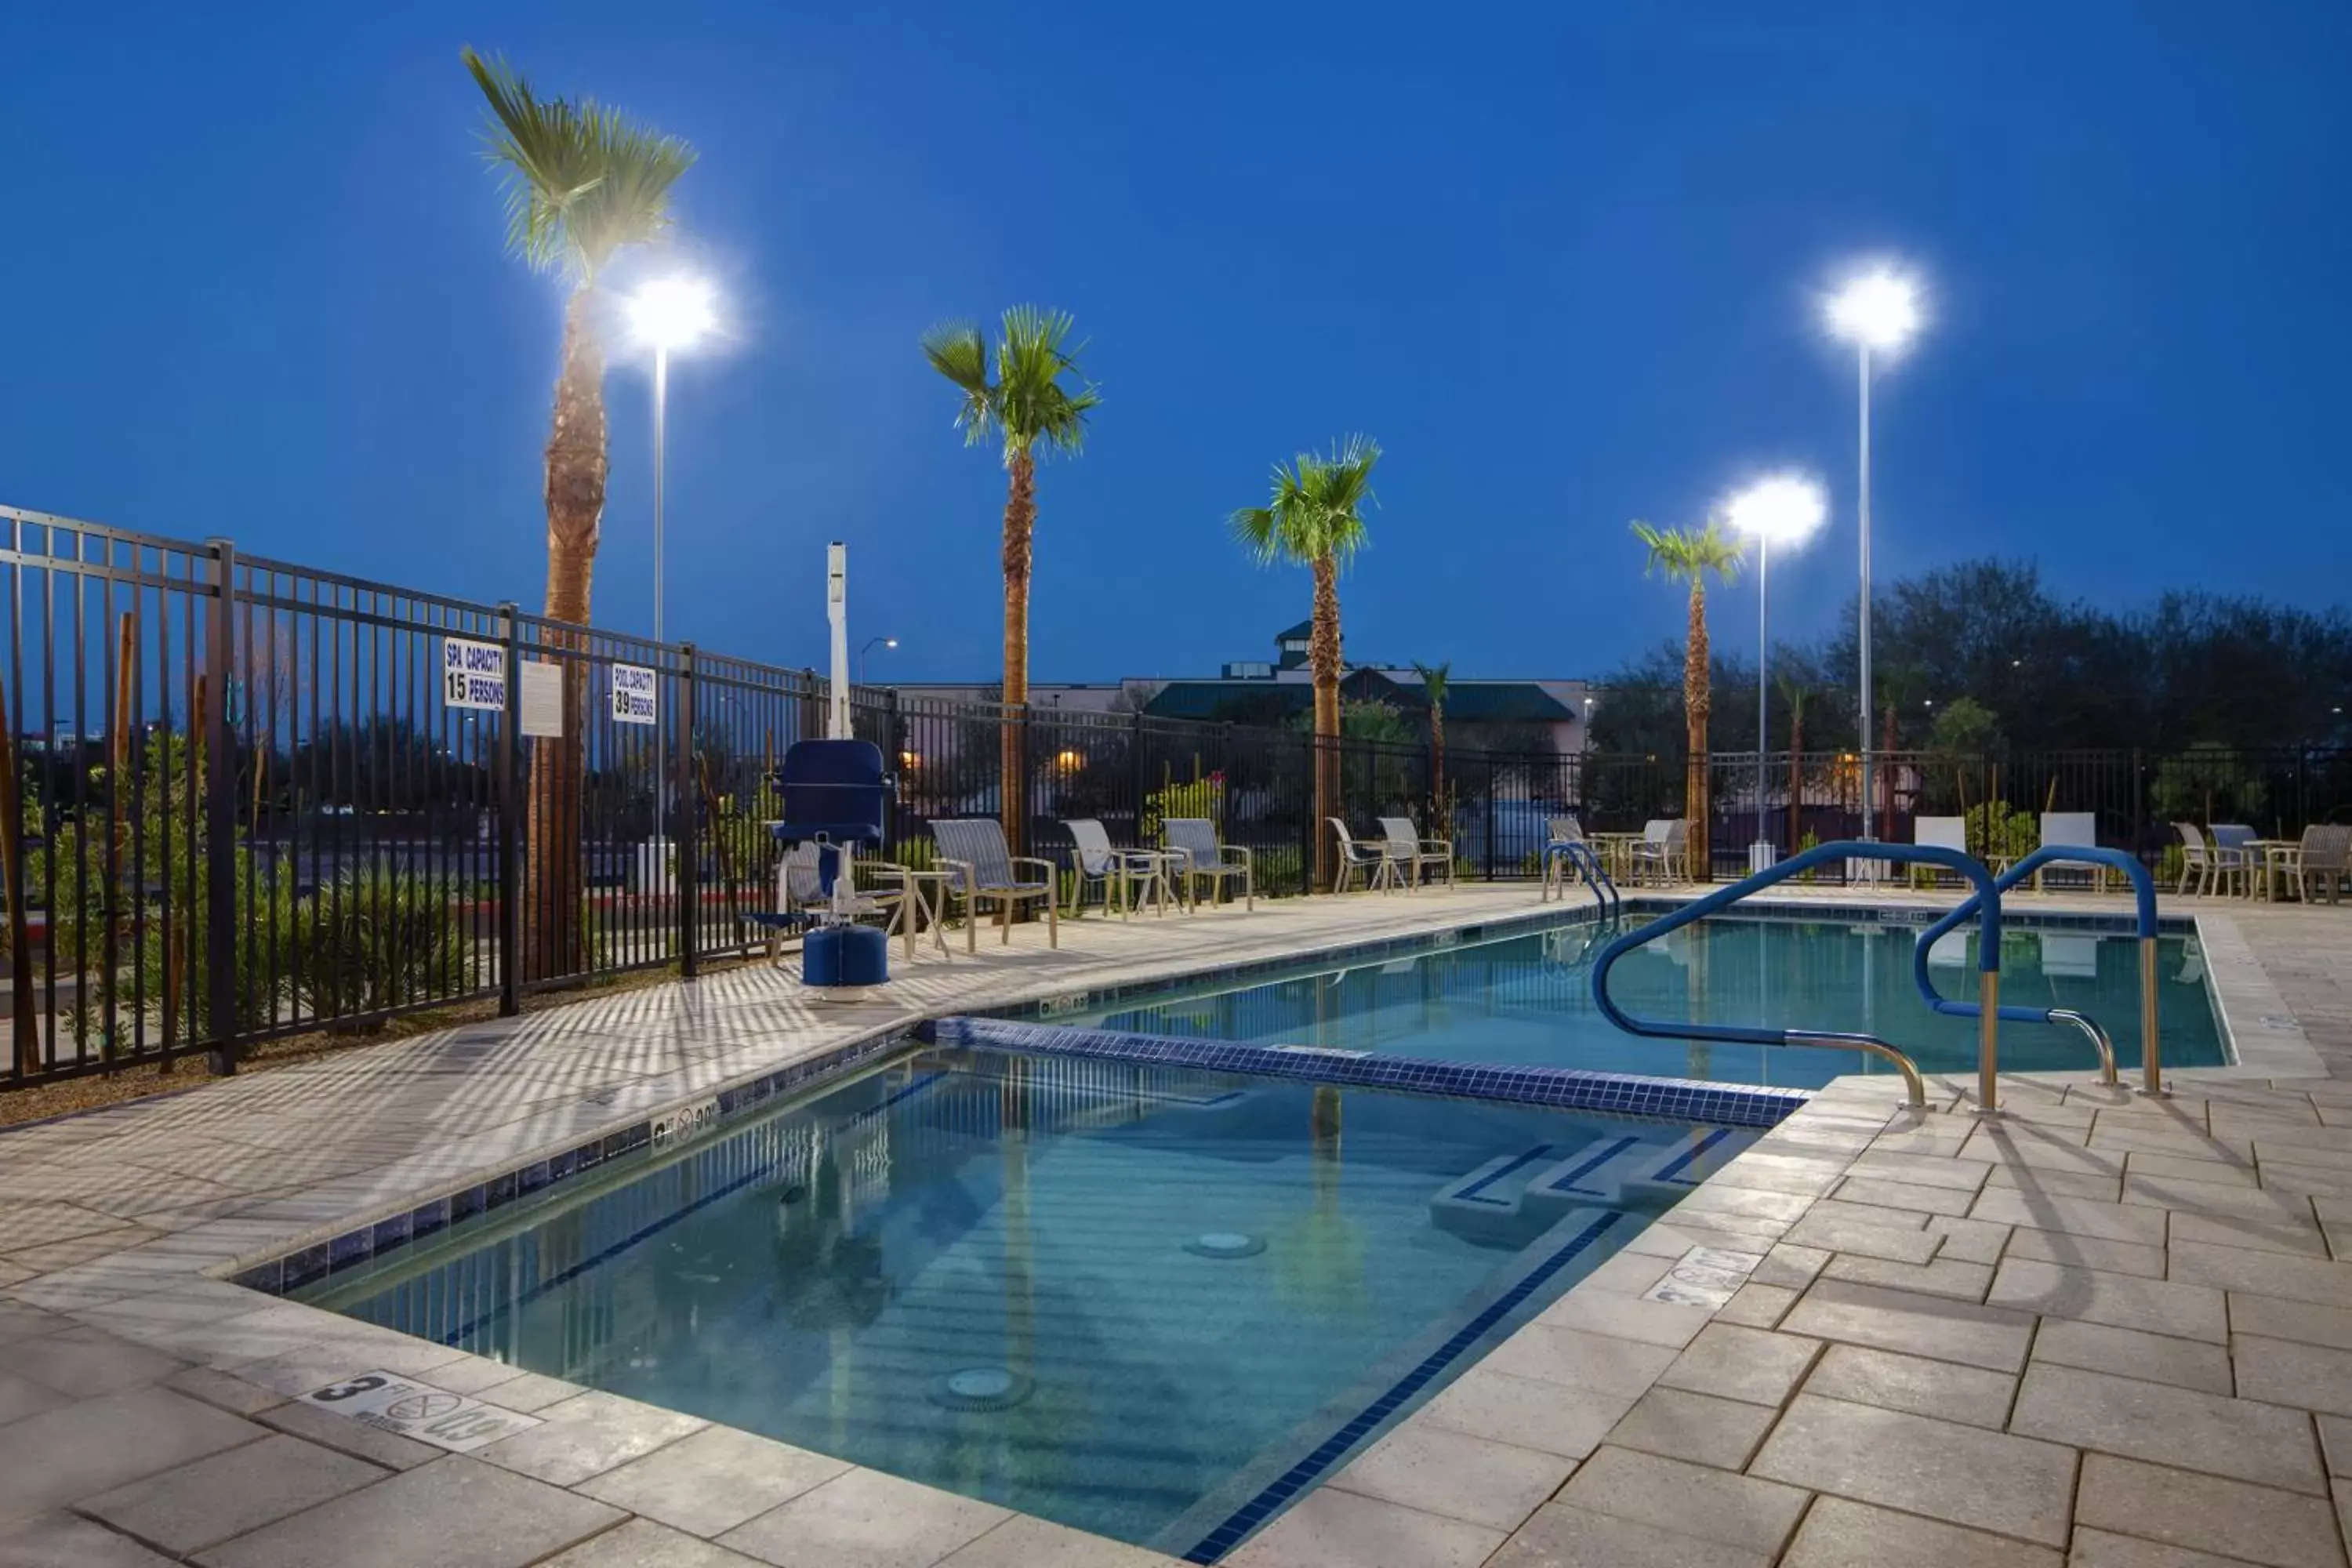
[(1033, 354), (956, 351), (1434, 679), (1316, 507), (1688, 555)]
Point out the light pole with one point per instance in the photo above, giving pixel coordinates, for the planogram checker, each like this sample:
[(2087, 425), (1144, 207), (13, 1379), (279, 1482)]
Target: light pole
[(1877, 309), (1784, 508), (871, 643), (667, 313)]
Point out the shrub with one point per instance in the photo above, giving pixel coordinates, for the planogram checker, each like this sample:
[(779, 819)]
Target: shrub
[(379, 939), (1994, 831)]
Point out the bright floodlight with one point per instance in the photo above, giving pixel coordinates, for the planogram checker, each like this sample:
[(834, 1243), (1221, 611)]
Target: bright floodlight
[(672, 312), (1878, 310), (1781, 509)]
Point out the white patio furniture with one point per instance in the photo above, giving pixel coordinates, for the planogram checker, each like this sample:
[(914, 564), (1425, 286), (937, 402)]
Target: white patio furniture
[(1193, 855), (1134, 875), (2234, 856), (2197, 862), (2074, 830), (1664, 851), (1367, 860), (987, 871), (2325, 860), (1410, 852), (1941, 833)]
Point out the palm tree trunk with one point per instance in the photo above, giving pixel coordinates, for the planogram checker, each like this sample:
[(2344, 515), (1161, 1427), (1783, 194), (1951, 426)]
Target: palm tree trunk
[(1444, 828), (1796, 774), (1886, 779), (1697, 704), (1323, 659), (576, 470), (1020, 533)]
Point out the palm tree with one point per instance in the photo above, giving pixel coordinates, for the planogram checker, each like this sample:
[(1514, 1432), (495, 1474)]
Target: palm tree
[(1434, 678), (1030, 408), (583, 182), (1688, 555), (1315, 518), (1795, 693)]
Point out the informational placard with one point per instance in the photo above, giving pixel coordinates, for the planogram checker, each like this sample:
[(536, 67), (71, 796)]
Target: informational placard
[(473, 675), (635, 699), (407, 1408), (542, 698)]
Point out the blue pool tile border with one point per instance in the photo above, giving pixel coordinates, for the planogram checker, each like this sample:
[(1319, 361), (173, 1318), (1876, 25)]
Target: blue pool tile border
[(1308, 1472), (1561, 1088)]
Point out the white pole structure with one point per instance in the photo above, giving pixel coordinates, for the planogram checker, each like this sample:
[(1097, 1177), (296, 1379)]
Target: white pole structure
[(661, 434), (1877, 309), (1787, 508), (670, 313), (836, 603)]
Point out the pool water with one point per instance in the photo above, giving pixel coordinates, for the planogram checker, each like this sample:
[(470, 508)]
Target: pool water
[(1121, 1297), (1528, 1000)]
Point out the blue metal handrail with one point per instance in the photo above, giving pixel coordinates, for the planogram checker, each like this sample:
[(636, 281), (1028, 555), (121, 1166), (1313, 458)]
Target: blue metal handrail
[(2144, 890), (1578, 854), (1989, 916)]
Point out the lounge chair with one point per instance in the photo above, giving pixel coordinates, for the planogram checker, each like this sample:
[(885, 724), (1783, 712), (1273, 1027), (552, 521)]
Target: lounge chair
[(2197, 862), (1664, 851), (2233, 855), (1137, 874), (984, 869), (1371, 859), (1405, 844), (2076, 830), (2324, 859), (1193, 854)]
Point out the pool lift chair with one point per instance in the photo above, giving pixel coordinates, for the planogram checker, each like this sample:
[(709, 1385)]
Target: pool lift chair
[(835, 793)]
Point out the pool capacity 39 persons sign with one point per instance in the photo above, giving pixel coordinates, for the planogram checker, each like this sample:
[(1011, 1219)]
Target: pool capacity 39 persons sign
[(633, 695), (473, 675)]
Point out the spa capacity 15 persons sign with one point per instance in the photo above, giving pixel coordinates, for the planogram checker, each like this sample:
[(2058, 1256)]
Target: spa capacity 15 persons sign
[(473, 674)]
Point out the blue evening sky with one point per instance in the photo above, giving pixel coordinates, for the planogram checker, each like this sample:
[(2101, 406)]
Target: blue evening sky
[(1559, 259)]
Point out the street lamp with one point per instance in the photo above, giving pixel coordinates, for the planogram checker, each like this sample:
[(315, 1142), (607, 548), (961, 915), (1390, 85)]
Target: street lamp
[(870, 644), (1877, 310), (667, 313), (1783, 510)]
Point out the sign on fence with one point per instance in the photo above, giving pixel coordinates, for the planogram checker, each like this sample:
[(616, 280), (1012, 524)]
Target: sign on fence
[(542, 697), (473, 674), (633, 699)]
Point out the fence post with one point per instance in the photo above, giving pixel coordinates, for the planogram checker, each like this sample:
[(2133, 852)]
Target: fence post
[(508, 781), (1138, 778), (1490, 821), (894, 757), (220, 816), (2139, 808), (1309, 838), (690, 819)]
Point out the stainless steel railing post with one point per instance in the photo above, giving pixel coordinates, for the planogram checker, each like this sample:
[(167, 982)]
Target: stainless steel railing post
[(1988, 1043)]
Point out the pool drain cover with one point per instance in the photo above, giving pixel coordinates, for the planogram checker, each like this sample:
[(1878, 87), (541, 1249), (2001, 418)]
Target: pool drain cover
[(1226, 1244), (982, 1388)]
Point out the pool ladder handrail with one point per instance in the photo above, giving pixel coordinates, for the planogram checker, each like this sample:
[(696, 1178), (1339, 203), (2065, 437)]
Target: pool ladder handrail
[(1988, 963), (1580, 854), (2143, 892)]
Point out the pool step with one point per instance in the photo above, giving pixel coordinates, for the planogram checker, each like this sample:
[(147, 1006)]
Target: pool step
[(1512, 1196)]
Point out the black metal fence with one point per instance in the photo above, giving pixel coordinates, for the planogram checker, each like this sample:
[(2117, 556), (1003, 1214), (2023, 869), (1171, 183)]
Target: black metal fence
[(243, 799)]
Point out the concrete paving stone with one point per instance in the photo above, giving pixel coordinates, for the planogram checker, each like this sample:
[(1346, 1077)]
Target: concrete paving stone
[(1627, 1274), (1967, 1240), (95, 1445), (2289, 1176), (2281, 1371), (1757, 1306), (206, 1502), (2043, 1150), (1921, 1170), (1626, 1318), (2074, 1217), (2335, 1443), (1909, 1196), (2238, 1438), (2120, 1300), (1564, 1536), (2276, 1317), (83, 1363), (1780, 1174), (865, 1519), (1526, 1413), (2105, 1549), (19, 1320), (2224, 1149), (1574, 1359), (455, 1512), (532, 1393), (1838, 1534), (1698, 1427), (1961, 1475), (2280, 1135), (1970, 1396), (1711, 1199), (709, 1481), (1897, 1244), (2128, 1352), (1735, 1362), (475, 1375), (1329, 1529), (1917, 1325), (2216, 1201), (1425, 1467), (1693, 1499), (1943, 1276), (20, 1397), (341, 1433), (2269, 1149), (62, 1541), (1024, 1543), (2141, 1165), (2203, 1513), (2100, 1186), (2291, 1235), (2306, 1279), (2084, 1252), (642, 1543), (587, 1435)]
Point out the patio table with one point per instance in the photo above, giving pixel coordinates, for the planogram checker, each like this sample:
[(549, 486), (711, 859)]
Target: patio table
[(1616, 852), (2276, 857), (931, 907)]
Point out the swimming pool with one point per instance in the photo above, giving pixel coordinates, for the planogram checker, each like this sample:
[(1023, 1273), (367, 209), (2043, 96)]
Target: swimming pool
[(1528, 1000), (1133, 1299)]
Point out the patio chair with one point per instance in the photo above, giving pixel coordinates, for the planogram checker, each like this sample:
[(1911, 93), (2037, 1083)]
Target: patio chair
[(2074, 830), (1137, 874), (2233, 855), (1563, 830), (1405, 844), (1942, 833), (983, 869), (1371, 859), (2324, 859), (1663, 850), (2196, 863), (1195, 856)]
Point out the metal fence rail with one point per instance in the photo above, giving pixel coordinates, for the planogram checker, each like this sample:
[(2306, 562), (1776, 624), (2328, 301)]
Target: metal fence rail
[(240, 799)]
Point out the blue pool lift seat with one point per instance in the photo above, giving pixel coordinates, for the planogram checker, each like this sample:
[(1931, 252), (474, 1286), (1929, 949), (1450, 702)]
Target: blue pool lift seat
[(835, 793)]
